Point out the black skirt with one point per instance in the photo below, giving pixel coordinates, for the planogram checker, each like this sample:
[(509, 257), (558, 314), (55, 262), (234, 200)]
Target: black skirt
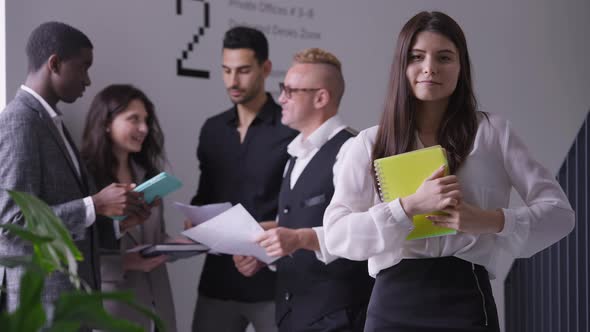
[(432, 295)]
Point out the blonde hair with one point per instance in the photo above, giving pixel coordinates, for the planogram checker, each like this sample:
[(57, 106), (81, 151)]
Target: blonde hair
[(334, 78), (317, 56)]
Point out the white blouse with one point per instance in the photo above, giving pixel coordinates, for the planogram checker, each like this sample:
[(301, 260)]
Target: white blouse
[(359, 226)]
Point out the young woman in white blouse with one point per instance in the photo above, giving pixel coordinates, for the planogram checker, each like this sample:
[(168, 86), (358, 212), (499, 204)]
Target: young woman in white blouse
[(441, 283)]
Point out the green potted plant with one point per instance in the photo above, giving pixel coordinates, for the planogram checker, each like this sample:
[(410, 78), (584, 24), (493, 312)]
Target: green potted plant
[(55, 251)]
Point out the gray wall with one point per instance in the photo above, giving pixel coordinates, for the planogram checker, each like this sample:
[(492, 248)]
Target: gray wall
[(529, 59), (549, 292)]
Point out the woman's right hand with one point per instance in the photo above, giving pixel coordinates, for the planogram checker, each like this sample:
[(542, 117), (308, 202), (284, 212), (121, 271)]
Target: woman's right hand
[(130, 222), (134, 220), (188, 224), (436, 193), (133, 261)]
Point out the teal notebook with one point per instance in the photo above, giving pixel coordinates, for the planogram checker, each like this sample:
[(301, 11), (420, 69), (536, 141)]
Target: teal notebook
[(158, 186)]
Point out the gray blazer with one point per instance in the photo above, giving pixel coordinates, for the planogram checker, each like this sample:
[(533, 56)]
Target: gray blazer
[(151, 289), (34, 159)]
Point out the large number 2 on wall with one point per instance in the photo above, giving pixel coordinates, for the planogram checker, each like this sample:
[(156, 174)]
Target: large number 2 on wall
[(180, 69)]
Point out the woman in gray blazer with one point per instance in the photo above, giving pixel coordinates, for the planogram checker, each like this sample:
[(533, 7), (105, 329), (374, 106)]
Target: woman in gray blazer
[(123, 142)]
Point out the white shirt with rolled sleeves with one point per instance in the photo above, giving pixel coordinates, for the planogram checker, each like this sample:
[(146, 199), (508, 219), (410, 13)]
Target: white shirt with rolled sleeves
[(359, 226), (305, 150)]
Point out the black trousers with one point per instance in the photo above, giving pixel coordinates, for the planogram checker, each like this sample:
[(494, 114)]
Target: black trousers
[(350, 319), (3, 305), (432, 295)]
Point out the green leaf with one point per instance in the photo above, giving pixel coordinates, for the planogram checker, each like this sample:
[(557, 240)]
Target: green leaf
[(54, 250), (26, 234), (128, 298), (86, 309), (6, 322), (64, 326), (40, 215), (29, 316), (60, 254)]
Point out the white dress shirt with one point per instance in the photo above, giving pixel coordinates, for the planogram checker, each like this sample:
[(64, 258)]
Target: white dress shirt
[(359, 226), (56, 117), (305, 150)]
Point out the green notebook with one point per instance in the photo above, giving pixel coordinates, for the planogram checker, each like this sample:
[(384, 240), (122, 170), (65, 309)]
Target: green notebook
[(158, 186), (402, 174)]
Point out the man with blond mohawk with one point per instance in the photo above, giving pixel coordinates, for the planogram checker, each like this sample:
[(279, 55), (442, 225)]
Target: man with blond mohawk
[(316, 291)]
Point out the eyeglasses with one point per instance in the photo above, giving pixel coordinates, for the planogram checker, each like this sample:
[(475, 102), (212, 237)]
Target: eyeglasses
[(288, 91)]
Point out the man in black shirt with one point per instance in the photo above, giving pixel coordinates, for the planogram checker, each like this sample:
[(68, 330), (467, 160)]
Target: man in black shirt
[(242, 153)]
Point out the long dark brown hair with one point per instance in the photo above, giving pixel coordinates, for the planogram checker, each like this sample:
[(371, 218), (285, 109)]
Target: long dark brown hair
[(458, 126), (97, 146)]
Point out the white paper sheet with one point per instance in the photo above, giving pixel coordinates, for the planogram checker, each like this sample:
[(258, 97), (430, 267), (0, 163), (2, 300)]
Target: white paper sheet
[(232, 232), (200, 214)]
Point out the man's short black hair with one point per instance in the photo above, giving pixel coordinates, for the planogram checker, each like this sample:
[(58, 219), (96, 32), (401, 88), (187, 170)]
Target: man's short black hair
[(246, 37), (54, 38)]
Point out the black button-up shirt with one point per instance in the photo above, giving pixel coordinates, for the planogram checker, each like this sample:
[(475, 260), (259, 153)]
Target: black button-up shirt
[(249, 173)]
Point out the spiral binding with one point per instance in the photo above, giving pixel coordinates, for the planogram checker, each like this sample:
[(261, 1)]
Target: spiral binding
[(380, 183)]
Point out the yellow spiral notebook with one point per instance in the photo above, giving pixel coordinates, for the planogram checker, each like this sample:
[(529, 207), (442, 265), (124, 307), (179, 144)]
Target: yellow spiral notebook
[(402, 174)]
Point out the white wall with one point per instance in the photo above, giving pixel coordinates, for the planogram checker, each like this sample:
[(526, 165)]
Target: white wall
[(529, 59)]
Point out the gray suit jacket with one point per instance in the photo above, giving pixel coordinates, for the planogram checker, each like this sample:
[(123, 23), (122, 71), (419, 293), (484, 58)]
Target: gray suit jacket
[(151, 289), (34, 159)]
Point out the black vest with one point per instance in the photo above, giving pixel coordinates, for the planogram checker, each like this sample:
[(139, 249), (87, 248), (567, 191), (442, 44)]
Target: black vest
[(308, 289)]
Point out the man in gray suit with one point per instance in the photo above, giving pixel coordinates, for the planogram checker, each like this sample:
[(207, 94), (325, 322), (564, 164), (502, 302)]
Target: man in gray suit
[(39, 157)]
